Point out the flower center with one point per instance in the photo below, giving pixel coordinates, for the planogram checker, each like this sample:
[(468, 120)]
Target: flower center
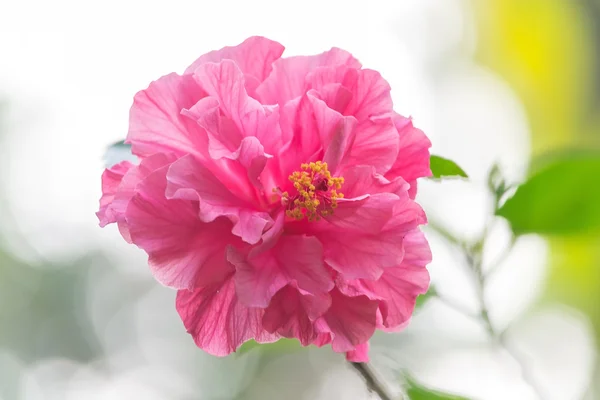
[(317, 192)]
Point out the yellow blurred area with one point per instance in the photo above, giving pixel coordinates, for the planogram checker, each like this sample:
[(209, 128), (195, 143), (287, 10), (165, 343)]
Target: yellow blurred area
[(575, 274), (545, 49)]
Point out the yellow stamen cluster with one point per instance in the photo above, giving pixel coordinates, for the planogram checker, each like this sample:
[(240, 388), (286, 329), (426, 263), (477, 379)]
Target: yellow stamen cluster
[(307, 202)]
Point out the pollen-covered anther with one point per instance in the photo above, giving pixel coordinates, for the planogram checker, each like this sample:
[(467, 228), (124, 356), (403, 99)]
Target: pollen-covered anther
[(317, 192)]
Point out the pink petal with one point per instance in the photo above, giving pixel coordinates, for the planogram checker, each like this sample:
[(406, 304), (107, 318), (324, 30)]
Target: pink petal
[(291, 314), (359, 354), (296, 259), (271, 235), (237, 134), (155, 121), (257, 282), (190, 180), (412, 192), (365, 95), (115, 212), (363, 256), (218, 322), (418, 253), (350, 320), (322, 339), (370, 96), (366, 214), (182, 251), (251, 155), (407, 215), (225, 82), (288, 78), (335, 95), (398, 287), (337, 135), (364, 248), (314, 131), (376, 143), (111, 179), (223, 136), (365, 235), (369, 92), (270, 134), (363, 179), (299, 130), (413, 154), (334, 85), (254, 56), (226, 141), (135, 175)]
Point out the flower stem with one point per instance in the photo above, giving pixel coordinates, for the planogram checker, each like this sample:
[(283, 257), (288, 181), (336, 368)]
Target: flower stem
[(473, 256), (497, 336), (373, 384)]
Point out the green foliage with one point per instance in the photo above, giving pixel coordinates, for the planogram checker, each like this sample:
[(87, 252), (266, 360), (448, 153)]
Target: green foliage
[(41, 314), (247, 347), (497, 184), (416, 391), (561, 198), (279, 347), (444, 168)]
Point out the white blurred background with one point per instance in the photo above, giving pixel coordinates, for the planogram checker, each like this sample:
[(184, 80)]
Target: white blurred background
[(82, 318)]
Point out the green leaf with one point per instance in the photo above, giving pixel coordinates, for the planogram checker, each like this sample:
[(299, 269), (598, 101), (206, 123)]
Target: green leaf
[(561, 198), (246, 347), (117, 152), (424, 298), (416, 391), (444, 168), (496, 183), (279, 347)]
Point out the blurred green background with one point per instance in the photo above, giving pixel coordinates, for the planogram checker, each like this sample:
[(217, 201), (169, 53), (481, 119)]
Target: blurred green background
[(548, 51)]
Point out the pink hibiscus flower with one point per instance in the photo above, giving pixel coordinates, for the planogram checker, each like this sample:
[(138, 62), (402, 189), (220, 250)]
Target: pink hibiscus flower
[(277, 196)]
